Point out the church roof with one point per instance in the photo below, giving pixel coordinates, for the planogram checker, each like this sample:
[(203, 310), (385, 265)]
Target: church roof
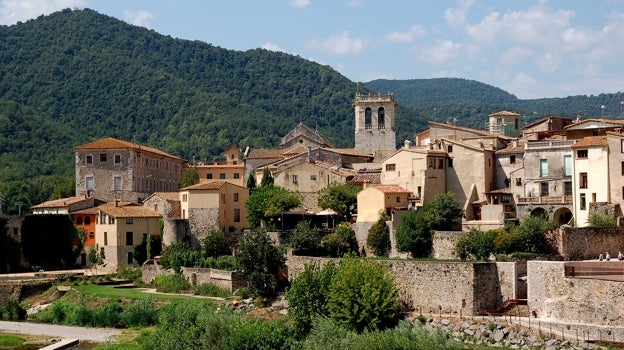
[(303, 130)]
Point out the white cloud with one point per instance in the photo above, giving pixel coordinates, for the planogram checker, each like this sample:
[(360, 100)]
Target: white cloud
[(353, 3), (139, 18), (272, 47), (406, 37), (12, 11), (515, 55), (338, 44), (457, 16), (524, 86), (441, 52), (549, 62), (299, 3)]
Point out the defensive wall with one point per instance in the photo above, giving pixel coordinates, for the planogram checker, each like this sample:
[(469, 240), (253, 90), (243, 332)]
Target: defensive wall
[(229, 280), (586, 243), (456, 287)]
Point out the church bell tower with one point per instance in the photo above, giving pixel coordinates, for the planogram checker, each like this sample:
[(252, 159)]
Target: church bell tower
[(375, 122)]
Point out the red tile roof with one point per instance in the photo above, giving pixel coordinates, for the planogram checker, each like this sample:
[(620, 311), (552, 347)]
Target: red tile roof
[(60, 203), (205, 185), (591, 141), (128, 210), (391, 189), (113, 143), (504, 114)]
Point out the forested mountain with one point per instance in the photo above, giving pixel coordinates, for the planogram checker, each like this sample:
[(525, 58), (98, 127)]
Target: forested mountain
[(76, 76)]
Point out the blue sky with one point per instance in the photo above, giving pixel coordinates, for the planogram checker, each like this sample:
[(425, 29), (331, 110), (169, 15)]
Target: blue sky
[(532, 49)]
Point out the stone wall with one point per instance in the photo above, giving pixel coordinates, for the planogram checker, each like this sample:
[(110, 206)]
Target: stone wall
[(229, 280), (18, 290), (444, 244), (585, 242), (439, 285), (574, 300), (201, 222)]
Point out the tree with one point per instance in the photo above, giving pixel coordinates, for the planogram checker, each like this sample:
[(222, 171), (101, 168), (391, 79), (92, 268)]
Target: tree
[(340, 242), (50, 241), (96, 258), (251, 182), (266, 203), (414, 234), (340, 197), (444, 212), (215, 244), (10, 252), (189, 177), (267, 178), (148, 249), (260, 261), (304, 239), (379, 237), (476, 244), (532, 234), (363, 296)]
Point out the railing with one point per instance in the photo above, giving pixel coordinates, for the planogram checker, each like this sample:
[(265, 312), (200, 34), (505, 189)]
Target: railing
[(549, 144), (374, 97), (509, 215), (545, 200)]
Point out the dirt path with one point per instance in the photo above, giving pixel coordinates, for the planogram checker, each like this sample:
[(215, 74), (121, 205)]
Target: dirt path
[(99, 335)]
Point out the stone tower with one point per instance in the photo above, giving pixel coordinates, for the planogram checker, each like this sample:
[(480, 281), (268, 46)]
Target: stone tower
[(375, 122)]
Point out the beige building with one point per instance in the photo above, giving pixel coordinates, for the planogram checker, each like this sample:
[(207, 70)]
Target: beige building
[(231, 169), (590, 176), (375, 126), (615, 143), (65, 205), (168, 205), (213, 205), (504, 123), (119, 227), (112, 169)]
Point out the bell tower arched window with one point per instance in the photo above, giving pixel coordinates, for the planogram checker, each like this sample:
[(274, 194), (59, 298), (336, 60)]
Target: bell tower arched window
[(381, 118), (368, 119)]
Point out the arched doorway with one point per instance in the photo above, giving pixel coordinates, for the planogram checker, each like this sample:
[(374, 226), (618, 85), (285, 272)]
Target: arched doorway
[(539, 213), (562, 216)]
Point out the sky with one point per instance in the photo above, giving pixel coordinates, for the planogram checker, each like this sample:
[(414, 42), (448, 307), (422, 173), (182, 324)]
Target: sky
[(530, 48)]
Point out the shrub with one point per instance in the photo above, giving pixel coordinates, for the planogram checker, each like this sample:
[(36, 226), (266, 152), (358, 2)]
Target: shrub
[(79, 314), (379, 237), (171, 283), (140, 312), (249, 333), (212, 290), (108, 315), (506, 242), (227, 262), (259, 260), (476, 244), (414, 235), (180, 254), (340, 242), (363, 296), (304, 239), (308, 294), (11, 310), (532, 234), (129, 273), (216, 245), (599, 220)]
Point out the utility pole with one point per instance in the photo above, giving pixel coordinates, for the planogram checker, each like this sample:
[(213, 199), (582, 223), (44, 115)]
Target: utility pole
[(19, 207)]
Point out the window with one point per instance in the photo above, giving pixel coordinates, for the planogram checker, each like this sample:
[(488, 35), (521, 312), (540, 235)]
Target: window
[(185, 197), (543, 167), (312, 177), (129, 240), (129, 221), (223, 198), (89, 183), (567, 188), (87, 220), (222, 176), (117, 183), (390, 167), (567, 165), (130, 258), (117, 159), (237, 175), (582, 153), (103, 157), (236, 215), (583, 180), (105, 238), (209, 176), (79, 220), (449, 148), (544, 189), (91, 235), (236, 197), (622, 168), (89, 159), (418, 192), (450, 162), (368, 119), (518, 181), (295, 179), (583, 202), (381, 118), (111, 220), (512, 159), (622, 149), (398, 199), (440, 163)]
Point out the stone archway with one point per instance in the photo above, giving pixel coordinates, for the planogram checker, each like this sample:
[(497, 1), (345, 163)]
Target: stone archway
[(540, 212), (562, 216)]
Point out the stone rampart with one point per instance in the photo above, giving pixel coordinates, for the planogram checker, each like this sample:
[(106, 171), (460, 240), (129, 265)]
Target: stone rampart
[(446, 286), (586, 242), (229, 280), (553, 296)]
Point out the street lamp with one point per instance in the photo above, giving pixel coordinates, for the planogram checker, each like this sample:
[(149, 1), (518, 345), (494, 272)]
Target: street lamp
[(621, 108), (602, 108)]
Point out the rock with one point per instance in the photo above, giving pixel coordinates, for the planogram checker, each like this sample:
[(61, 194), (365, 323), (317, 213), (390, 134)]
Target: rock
[(445, 321), (498, 335)]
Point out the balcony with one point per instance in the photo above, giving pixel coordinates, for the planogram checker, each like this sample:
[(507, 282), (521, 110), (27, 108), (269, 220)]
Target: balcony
[(537, 145), (545, 200)]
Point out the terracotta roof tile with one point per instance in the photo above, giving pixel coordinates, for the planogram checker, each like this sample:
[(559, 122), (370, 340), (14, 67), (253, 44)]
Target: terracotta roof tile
[(205, 185), (391, 189), (474, 131), (504, 114), (60, 203), (113, 143), (511, 149), (128, 210), (591, 141), (264, 153)]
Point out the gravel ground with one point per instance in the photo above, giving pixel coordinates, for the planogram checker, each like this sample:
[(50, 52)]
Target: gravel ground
[(98, 335)]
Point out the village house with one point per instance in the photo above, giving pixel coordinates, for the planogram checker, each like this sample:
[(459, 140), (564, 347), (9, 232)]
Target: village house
[(168, 205), (231, 170), (112, 169)]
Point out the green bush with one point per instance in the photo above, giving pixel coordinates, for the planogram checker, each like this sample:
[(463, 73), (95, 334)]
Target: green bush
[(476, 244), (11, 310), (340, 242), (181, 254), (140, 313), (308, 294), (363, 296), (254, 334), (79, 314), (260, 261), (379, 237), (304, 239), (171, 283), (414, 235), (215, 244), (129, 273), (108, 315), (599, 220), (212, 290), (532, 234)]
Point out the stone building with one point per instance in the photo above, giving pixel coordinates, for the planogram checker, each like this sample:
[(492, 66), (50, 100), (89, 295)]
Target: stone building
[(168, 205), (375, 124), (590, 177), (112, 169)]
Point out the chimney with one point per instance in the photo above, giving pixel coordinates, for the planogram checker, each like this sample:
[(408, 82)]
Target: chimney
[(310, 155), (116, 202)]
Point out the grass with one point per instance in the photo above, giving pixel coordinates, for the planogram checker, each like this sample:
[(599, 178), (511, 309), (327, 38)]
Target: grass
[(131, 293), (10, 341)]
